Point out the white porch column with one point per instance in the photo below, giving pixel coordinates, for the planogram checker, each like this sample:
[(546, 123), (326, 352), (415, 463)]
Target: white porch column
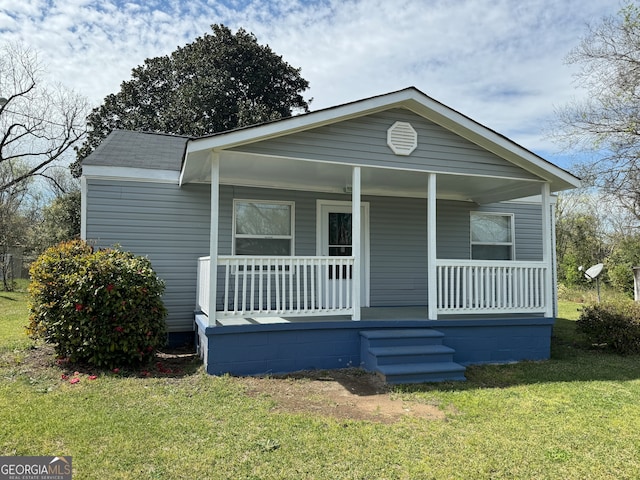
[(432, 271), (214, 158), (356, 242), (547, 257)]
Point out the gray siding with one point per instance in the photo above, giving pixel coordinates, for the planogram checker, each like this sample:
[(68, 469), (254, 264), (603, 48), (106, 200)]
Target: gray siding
[(363, 141), (398, 252), (167, 223), (170, 225)]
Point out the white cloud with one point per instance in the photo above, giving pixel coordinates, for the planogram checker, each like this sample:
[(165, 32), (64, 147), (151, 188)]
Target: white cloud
[(497, 61)]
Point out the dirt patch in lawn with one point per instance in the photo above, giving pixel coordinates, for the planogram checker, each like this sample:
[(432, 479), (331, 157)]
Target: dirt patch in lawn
[(41, 359), (346, 394), (343, 394)]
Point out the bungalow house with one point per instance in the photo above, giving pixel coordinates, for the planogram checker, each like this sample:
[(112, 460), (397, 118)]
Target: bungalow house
[(392, 233)]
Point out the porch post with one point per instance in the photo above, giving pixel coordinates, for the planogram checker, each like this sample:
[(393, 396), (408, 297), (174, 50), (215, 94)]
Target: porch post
[(432, 270), (214, 158), (547, 257), (356, 250), (554, 261)]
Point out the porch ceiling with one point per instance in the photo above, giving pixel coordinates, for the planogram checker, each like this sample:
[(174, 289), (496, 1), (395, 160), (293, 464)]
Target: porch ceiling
[(297, 174)]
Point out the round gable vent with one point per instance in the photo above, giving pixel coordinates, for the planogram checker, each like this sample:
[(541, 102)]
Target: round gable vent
[(402, 138)]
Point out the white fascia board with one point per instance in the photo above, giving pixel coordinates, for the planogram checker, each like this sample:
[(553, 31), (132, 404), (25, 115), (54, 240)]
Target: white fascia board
[(487, 138), (297, 123), (131, 174)]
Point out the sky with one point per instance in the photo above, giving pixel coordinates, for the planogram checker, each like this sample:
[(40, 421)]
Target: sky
[(500, 62)]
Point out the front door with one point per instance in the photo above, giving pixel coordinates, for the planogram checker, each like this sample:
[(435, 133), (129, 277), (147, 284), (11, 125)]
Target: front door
[(334, 239)]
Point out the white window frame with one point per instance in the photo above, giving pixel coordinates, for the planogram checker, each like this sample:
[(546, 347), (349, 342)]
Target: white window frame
[(290, 237), (512, 243)]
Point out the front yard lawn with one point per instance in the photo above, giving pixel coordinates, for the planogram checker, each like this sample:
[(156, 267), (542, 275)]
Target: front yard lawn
[(572, 417)]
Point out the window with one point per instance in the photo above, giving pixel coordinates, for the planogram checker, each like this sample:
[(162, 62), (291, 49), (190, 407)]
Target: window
[(491, 236), (340, 242), (263, 227)]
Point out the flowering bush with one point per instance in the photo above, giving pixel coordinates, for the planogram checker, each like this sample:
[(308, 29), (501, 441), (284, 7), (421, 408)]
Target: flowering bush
[(102, 307)]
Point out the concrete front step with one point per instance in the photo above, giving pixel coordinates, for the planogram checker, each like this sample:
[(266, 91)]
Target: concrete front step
[(422, 372), (412, 354)]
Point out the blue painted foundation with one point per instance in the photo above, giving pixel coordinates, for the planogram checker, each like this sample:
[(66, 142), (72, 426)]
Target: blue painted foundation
[(289, 347)]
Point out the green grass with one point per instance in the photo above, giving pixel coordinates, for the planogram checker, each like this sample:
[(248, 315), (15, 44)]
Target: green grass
[(572, 417), (13, 317)]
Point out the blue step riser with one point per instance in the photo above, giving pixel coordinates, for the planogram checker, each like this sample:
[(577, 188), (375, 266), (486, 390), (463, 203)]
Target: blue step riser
[(402, 359)]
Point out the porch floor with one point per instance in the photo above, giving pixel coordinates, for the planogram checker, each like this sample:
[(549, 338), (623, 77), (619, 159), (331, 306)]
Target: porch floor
[(366, 314)]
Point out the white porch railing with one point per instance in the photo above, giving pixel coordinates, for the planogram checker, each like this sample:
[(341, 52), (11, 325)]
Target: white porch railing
[(252, 286), (490, 286)]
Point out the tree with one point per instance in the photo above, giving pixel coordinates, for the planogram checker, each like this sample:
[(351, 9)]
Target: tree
[(59, 222), (585, 225), (219, 82), (625, 256), (39, 124), (14, 222), (578, 244), (608, 122)]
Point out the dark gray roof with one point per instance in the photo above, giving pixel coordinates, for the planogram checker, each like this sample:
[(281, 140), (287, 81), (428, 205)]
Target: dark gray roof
[(124, 148)]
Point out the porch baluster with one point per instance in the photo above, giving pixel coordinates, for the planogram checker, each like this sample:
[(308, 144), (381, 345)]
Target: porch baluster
[(244, 286)]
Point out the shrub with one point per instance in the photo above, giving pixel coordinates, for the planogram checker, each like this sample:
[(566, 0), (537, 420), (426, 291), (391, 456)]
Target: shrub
[(102, 307), (613, 325), (621, 277)]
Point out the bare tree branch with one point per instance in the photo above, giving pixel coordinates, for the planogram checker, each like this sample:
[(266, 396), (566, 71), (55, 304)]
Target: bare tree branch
[(40, 124), (608, 122)]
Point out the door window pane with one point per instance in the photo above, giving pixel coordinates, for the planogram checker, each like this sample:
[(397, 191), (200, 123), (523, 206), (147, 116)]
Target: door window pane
[(340, 251), (339, 229)]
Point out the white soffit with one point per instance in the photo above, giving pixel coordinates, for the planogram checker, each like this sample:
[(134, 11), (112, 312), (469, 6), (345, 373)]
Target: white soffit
[(402, 138)]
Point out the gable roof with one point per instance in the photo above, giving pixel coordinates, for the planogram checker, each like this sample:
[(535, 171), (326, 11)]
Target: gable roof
[(125, 148), (195, 165)]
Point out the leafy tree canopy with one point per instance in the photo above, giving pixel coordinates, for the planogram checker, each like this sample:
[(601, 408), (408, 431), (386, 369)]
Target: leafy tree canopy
[(219, 82), (60, 222)]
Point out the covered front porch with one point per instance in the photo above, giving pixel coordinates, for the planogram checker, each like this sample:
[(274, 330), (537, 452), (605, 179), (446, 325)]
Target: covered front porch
[(260, 314), (436, 214), (335, 281)]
